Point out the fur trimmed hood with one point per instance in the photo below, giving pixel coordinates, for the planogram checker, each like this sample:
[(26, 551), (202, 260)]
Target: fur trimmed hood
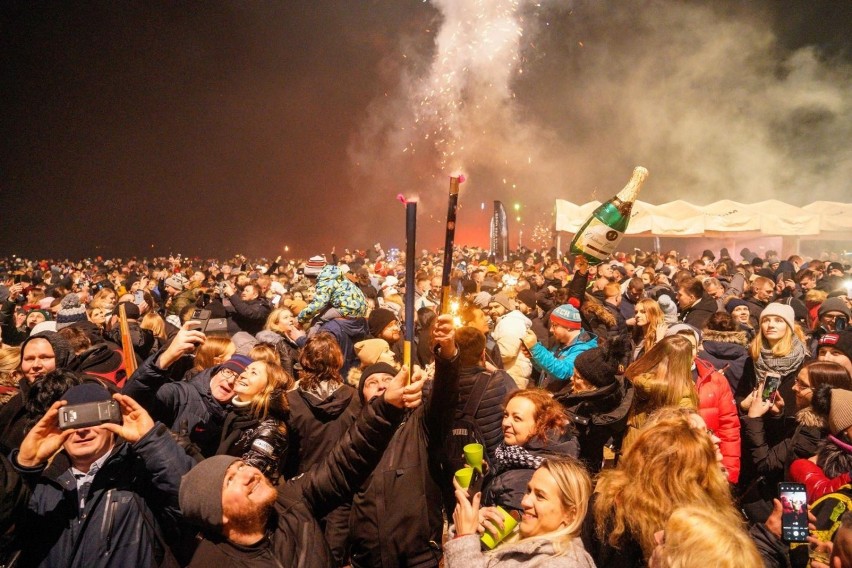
[(592, 309), (736, 337), (807, 417)]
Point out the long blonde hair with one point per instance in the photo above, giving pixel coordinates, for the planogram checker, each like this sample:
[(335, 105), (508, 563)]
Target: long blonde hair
[(655, 315), (670, 464), (696, 536), (277, 380), (670, 362), (782, 347), (153, 322)]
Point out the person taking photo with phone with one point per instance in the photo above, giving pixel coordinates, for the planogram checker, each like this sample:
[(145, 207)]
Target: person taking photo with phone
[(102, 495)]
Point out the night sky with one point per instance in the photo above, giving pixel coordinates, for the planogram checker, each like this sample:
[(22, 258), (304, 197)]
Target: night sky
[(214, 128)]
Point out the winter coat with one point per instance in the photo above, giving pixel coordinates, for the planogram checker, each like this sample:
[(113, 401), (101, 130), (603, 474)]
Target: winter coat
[(509, 333), (13, 418), (774, 461), (832, 470), (557, 365), (315, 425), (259, 443), (728, 352), (507, 483), (182, 405), (397, 515), (465, 552), (717, 407), (335, 290), (104, 360), (249, 316), (286, 348), (698, 315), (601, 320), (141, 339), (131, 504), (489, 414), (295, 537), (598, 417)]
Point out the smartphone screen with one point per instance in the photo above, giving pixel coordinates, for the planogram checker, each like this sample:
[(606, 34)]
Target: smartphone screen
[(770, 386), (794, 515)]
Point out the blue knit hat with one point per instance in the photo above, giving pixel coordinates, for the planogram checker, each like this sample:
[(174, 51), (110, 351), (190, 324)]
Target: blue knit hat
[(567, 316), (237, 363)]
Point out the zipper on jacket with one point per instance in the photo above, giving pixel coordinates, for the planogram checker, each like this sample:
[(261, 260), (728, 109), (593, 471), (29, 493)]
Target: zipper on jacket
[(107, 523)]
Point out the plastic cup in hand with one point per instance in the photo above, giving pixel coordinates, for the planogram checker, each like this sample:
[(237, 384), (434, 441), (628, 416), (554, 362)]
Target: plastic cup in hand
[(463, 476), (509, 523), (473, 456)]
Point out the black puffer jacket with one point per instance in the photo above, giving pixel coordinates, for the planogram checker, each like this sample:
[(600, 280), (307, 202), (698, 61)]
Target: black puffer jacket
[(489, 414), (180, 405), (132, 503), (397, 515), (260, 443), (598, 416), (247, 316), (294, 537)]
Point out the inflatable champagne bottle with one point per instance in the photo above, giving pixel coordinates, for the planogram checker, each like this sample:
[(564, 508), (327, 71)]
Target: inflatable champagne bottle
[(599, 236)]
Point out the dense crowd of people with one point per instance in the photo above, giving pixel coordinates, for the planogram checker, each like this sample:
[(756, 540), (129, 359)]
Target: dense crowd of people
[(638, 413)]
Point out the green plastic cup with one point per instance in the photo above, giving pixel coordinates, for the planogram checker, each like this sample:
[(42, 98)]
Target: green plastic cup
[(463, 476), (473, 456), (509, 524)]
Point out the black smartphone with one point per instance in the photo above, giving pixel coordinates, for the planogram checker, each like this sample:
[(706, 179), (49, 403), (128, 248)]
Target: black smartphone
[(89, 414), (841, 323), (770, 387), (794, 515)]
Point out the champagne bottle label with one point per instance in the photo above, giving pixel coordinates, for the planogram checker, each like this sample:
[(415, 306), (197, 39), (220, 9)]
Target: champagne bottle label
[(598, 239)]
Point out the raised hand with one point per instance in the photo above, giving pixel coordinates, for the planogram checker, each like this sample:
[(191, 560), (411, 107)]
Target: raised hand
[(185, 342), (444, 335), (45, 438), (395, 393), (136, 422)]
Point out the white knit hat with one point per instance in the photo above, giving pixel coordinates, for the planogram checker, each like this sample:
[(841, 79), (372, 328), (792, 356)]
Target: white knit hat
[(783, 311)]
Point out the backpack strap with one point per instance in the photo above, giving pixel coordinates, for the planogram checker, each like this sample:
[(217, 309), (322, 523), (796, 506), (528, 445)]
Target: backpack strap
[(476, 394)]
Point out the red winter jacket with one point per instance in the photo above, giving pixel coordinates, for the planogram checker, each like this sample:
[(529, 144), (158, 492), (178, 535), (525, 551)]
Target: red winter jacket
[(717, 407)]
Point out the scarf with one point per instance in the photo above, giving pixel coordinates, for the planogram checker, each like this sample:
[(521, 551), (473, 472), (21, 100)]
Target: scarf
[(515, 457), (769, 363)]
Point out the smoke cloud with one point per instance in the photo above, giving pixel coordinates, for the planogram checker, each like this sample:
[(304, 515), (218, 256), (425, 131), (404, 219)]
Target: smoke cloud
[(537, 101)]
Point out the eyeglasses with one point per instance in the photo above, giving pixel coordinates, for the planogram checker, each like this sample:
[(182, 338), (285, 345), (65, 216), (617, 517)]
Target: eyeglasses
[(802, 386)]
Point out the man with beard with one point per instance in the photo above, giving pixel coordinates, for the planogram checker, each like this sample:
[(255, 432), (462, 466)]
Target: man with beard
[(249, 522)]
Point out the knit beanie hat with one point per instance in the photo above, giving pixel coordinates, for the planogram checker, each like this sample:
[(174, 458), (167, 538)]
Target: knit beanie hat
[(176, 281), (680, 327), (503, 299), (70, 311), (86, 392), (841, 341), (315, 265), (62, 350), (567, 316), (372, 370), (595, 367), (369, 350), (840, 415), (733, 304), (379, 319), (834, 305), (783, 311), (131, 310), (200, 494), (528, 297), (236, 363)]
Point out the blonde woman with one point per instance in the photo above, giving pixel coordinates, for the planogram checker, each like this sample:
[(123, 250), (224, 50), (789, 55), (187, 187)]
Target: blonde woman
[(554, 508), (673, 462), (256, 429), (696, 536), (10, 358), (650, 326)]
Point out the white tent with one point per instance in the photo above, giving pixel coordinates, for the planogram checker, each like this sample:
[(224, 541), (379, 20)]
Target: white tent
[(724, 219)]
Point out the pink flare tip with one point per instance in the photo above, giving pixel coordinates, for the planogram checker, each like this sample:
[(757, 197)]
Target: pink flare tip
[(401, 198)]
